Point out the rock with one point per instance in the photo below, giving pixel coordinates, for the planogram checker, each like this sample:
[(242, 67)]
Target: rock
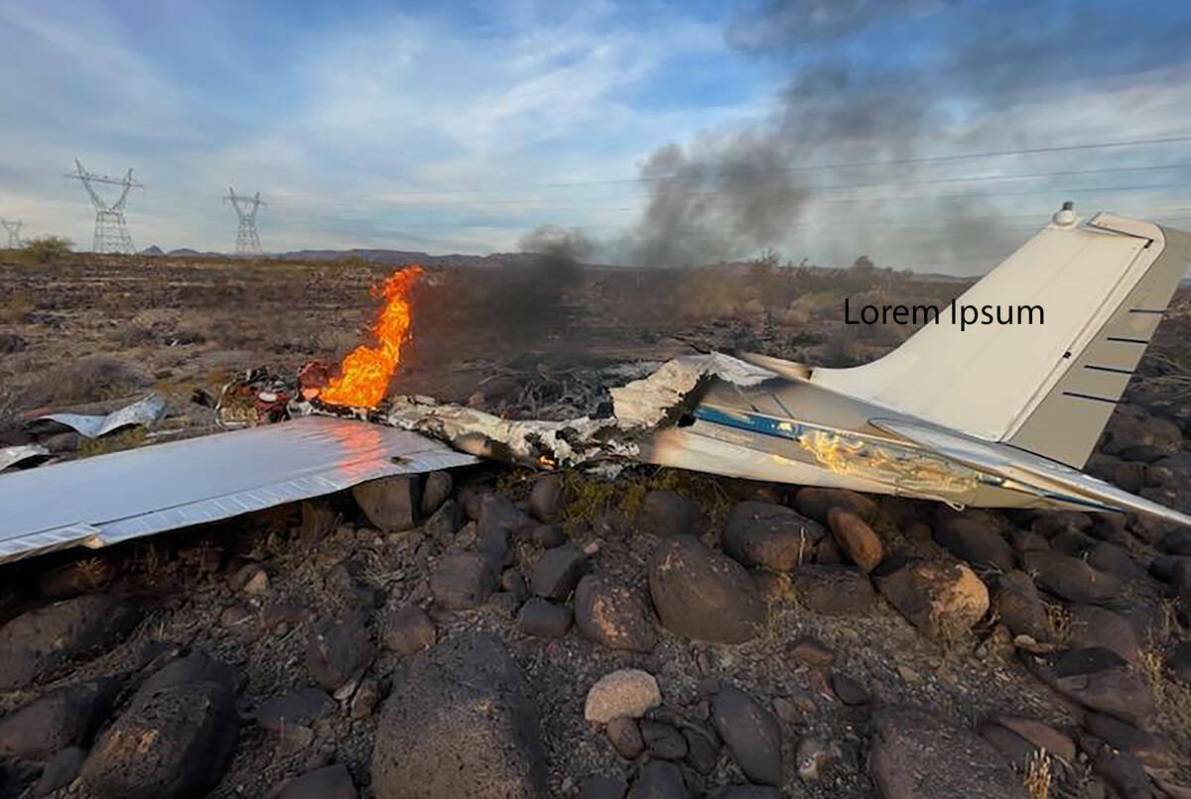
[(813, 755), (810, 651), (604, 788), (462, 723), (557, 571), (751, 734), (462, 581), (444, 522), (339, 650), (1072, 542), (702, 594), (1176, 542), (703, 748), (627, 693), (545, 498), (493, 543), (1070, 578), (1020, 607), (408, 629), (748, 792), (496, 515), (855, 538), (1098, 679), (329, 782), (365, 699), (625, 737), (941, 598), (174, 739), (1131, 427), (1179, 662), (1150, 749), (512, 581), (818, 502), (1038, 734), (668, 513), (390, 503), (37, 644), (1124, 773), (1114, 560), (544, 619), (1097, 627), (772, 587), (915, 754), (298, 707), (60, 771), (1026, 540), (659, 779), (848, 690), (77, 577), (436, 490), (63, 718), (768, 535), (548, 536), (1015, 749), (612, 614), (827, 552), (662, 740), (834, 590), (976, 542)]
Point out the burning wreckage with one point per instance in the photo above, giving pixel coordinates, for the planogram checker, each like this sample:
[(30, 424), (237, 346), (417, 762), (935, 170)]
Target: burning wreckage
[(987, 417)]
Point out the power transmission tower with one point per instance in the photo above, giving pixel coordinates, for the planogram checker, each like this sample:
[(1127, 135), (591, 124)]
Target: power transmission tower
[(248, 242), (111, 231), (13, 226)]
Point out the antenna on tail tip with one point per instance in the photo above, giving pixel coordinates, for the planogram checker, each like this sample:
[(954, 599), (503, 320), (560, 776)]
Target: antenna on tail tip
[(1065, 216)]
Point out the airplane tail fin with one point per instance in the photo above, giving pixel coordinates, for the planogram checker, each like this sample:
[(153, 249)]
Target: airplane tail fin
[(1060, 326)]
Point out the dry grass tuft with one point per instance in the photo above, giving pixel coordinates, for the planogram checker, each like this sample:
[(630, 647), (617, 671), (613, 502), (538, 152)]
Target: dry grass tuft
[(90, 379), (1038, 777)]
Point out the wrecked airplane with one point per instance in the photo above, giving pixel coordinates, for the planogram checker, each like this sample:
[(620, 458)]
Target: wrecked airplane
[(991, 416)]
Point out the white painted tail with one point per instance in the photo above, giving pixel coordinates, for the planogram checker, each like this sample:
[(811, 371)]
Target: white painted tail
[(1046, 387)]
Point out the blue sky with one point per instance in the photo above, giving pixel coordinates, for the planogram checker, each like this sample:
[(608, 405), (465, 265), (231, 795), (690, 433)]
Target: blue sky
[(462, 126)]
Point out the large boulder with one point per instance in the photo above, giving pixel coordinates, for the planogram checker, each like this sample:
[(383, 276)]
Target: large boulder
[(62, 718), (856, 538), (463, 580), (751, 733), (339, 650), (612, 614), (1019, 605), (546, 498), (916, 754), (462, 722), (659, 779), (625, 693), (834, 590), (975, 541), (942, 598), (1069, 577), (1097, 678), (668, 513), (329, 782), (1095, 626), (768, 535), (390, 503), (702, 594), (37, 644), (557, 572), (817, 503), (175, 739)]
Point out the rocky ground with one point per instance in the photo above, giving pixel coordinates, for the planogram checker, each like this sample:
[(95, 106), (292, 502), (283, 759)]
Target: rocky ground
[(495, 633)]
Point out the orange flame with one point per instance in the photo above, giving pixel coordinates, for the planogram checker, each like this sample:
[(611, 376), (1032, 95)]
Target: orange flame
[(365, 373)]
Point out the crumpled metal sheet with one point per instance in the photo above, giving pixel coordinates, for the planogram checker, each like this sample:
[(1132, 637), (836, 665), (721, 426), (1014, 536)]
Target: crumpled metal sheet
[(147, 412), (638, 408), (111, 498), (11, 456)]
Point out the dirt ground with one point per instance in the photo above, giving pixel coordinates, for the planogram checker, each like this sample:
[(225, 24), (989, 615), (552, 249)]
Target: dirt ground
[(93, 332)]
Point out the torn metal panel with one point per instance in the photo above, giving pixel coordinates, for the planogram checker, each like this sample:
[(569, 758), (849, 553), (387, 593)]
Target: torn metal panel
[(638, 408), (147, 412), (110, 498), (11, 456)]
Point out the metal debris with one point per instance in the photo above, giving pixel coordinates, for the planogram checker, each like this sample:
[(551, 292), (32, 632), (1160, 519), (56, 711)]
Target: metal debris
[(147, 412)]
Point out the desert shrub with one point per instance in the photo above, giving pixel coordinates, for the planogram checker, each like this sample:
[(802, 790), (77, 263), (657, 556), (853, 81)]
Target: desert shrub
[(47, 248), (86, 380)]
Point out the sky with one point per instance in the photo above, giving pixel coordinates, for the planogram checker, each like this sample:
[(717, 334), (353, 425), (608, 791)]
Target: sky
[(928, 134)]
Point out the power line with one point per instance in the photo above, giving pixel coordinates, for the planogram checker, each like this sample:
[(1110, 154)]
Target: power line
[(248, 242), (13, 226), (111, 231)]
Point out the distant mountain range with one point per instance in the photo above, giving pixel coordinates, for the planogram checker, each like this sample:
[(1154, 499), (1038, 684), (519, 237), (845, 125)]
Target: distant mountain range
[(390, 257)]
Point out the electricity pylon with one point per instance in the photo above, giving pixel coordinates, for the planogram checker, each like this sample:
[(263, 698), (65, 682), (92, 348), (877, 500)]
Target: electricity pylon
[(111, 232), (13, 226), (248, 242)]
